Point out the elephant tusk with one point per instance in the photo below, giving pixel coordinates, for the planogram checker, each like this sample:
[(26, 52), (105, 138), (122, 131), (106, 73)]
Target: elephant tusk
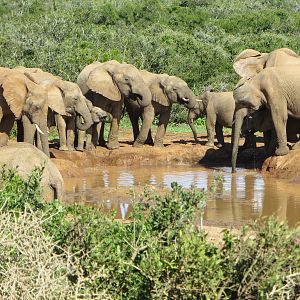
[(199, 100), (186, 99), (38, 129)]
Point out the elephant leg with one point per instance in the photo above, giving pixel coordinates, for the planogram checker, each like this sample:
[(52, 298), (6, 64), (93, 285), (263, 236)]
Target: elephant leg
[(113, 142), (100, 133), (148, 117), (210, 127), (134, 119), (29, 130), (89, 139), (193, 128), (6, 125), (95, 134), (220, 136), (70, 123), (61, 128), (279, 117), (162, 127), (81, 137)]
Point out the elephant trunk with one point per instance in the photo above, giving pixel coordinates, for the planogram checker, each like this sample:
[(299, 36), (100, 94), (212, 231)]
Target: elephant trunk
[(44, 138), (191, 117), (188, 99), (143, 96), (238, 121), (86, 121)]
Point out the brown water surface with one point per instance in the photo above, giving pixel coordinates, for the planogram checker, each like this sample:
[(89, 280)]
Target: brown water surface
[(238, 197)]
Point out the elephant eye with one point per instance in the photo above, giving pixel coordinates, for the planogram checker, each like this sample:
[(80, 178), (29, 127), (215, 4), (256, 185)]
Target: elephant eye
[(126, 78), (174, 88)]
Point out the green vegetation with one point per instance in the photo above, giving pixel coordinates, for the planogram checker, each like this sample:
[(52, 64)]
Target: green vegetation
[(193, 39), (55, 251)]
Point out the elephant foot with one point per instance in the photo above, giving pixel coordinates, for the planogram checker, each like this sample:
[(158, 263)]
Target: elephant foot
[(71, 148), (209, 144), (283, 150), (80, 149), (296, 146), (112, 145), (63, 148)]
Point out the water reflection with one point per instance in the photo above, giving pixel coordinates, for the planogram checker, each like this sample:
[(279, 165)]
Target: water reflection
[(236, 198)]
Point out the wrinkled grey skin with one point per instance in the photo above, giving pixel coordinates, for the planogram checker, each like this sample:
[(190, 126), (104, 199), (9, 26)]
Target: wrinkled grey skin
[(107, 84), (165, 91), (92, 134), (218, 109), (26, 157), (261, 120)]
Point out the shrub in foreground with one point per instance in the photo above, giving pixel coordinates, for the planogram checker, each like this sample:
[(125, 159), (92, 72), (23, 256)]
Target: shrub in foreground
[(160, 254)]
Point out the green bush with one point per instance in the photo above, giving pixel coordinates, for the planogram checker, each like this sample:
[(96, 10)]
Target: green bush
[(159, 254)]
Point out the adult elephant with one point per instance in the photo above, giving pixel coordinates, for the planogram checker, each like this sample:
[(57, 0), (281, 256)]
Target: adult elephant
[(165, 90), (20, 96), (107, 84), (25, 157), (65, 101), (276, 88), (250, 62)]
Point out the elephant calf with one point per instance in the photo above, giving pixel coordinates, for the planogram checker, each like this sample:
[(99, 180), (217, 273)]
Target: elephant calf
[(219, 111), (94, 133)]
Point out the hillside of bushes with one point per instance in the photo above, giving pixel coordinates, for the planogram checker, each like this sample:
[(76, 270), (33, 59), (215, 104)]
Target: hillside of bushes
[(194, 39)]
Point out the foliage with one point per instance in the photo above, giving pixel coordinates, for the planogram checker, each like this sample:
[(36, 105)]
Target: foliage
[(159, 254), (193, 39)]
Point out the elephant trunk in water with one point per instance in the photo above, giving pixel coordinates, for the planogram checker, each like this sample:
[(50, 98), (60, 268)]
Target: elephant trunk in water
[(86, 121), (143, 95), (238, 122)]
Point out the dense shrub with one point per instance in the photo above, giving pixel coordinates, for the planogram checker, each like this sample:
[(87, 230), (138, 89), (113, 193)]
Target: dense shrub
[(193, 39), (159, 254)]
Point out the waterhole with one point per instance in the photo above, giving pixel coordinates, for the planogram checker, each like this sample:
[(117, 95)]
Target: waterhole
[(233, 198)]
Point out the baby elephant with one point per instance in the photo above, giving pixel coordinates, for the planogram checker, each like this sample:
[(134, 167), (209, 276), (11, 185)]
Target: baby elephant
[(93, 133), (218, 109)]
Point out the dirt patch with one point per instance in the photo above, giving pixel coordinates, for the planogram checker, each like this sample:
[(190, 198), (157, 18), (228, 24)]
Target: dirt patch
[(180, 149), (285, 167)]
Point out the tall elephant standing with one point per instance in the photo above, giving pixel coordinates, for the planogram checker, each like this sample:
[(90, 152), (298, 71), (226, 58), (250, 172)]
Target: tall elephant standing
[(250, 63), (165, 90), (278, 89), (65, 101), (20, 96), (107, 84)]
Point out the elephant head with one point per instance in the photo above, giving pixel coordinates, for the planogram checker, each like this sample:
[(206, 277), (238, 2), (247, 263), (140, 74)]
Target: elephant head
[(64, 97), (98, 114), (23, 96), (167, 90), (250, 62), (114, 80), (248, 99)]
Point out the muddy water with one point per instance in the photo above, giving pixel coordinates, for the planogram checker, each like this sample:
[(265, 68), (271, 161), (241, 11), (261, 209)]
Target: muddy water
[(237, 198)]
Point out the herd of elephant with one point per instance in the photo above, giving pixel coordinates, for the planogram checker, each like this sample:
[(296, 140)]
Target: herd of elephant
[(267, 99)]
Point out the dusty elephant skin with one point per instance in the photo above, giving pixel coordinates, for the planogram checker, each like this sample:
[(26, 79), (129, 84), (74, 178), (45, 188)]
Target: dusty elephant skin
[(26, 157)]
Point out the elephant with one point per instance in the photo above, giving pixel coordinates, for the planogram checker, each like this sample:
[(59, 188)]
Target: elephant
[(25, 157), (165, 90), (278, 89), (22, 97), (94, 132), (107, 84), (261, 120), (65, 101), (250, 62), (219, 111)]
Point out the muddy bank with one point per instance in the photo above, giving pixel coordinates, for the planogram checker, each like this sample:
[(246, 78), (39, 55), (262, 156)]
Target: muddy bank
[(180, 149), (284, 167)]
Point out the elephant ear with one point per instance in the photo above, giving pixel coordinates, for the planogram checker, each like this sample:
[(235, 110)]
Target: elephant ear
[(55, 99), (157, 88), (101, 82), (249, 62), (14, 92)]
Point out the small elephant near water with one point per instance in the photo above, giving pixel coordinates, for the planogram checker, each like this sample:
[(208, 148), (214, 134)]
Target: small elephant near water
[(218, 109), (25, 157)]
